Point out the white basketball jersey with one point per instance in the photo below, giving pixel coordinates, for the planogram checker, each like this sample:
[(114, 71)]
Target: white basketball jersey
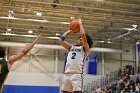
[(75, 60)]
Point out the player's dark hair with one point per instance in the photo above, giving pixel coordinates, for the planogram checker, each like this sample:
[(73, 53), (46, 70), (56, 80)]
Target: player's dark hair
[(2, 52), (89, 40)]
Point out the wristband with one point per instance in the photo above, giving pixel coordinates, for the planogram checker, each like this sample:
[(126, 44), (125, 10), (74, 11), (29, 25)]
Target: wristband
[(62, 37)]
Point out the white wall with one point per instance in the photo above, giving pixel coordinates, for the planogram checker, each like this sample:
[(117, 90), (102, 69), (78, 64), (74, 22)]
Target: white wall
[(42, 79), (37, 59), (44, 59), (114, 61)]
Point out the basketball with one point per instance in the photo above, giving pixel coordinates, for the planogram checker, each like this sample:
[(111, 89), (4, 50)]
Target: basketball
[(74, 26)]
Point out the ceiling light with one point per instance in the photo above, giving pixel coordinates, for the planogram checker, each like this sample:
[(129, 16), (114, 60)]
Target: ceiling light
[(39, 14), (57, 34), (137, 42), (9, 29), (135, 26), (72, 17), (30, 31), (109, 41), (11, 11)]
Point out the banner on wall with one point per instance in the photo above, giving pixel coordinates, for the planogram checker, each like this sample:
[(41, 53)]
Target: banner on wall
[(138, 47), (138, 57), (92, 64)]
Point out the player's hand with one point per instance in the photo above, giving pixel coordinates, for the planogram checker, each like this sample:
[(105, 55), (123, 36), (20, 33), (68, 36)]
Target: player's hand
[(79, 21), (72, 32)]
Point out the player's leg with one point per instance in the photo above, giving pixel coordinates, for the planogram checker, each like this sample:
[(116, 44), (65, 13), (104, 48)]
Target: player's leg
[(77, 83), (67, 84)]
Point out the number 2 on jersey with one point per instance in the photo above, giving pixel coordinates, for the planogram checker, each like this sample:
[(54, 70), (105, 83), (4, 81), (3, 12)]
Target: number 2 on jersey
[(73, 55)]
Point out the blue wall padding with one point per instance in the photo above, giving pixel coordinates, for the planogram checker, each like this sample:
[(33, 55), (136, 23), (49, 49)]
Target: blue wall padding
[(30, 89)]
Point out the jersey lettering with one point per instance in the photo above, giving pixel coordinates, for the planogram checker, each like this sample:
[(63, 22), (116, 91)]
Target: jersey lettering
[(73, 55)]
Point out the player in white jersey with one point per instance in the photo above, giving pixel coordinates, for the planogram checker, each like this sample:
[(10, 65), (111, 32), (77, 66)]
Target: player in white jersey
[(75, 60), (73, 78)]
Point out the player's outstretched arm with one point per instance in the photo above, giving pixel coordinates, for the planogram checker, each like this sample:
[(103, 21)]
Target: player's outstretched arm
[(83, 35), (22, 53), (63, 42)]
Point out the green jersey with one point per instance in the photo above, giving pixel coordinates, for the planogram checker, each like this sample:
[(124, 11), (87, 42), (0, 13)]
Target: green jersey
[(3, 71)]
